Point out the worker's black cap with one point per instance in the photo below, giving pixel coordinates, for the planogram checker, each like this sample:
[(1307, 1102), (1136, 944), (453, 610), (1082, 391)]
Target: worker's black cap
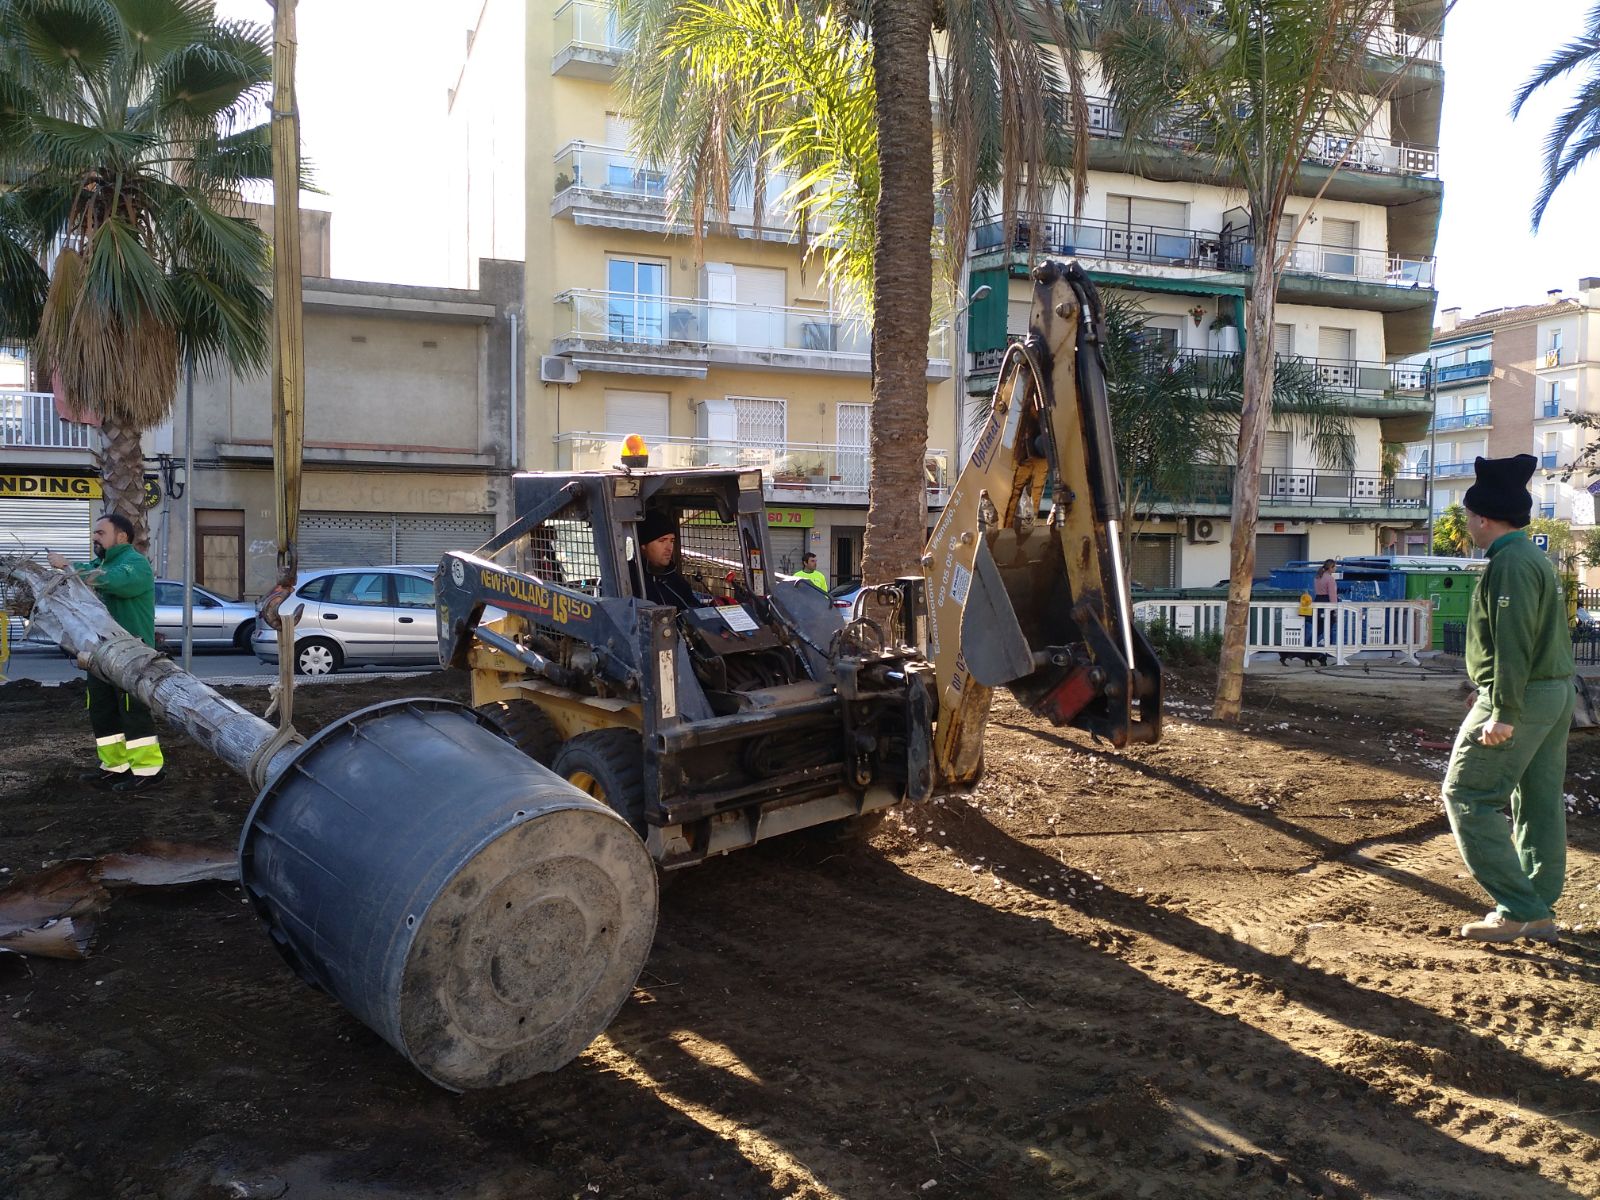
[(1501, 492), (657, 523)]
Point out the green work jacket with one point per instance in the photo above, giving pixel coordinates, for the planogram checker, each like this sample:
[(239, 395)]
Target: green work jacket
[(126, 585), (1516, 626)]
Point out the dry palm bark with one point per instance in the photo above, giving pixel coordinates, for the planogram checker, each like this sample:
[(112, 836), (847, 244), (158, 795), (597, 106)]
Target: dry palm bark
[(66, 611)]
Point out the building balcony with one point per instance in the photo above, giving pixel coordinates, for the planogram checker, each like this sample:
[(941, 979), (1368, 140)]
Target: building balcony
[(28, 421), (1471, 420), (1547, 462), (1109, 241), (588, 43), (1547, 510), (792, 472), (1185, 132), (1289, 492), (1457, 372), (1551, 359), (1553, 412), (1384, 40), (682, 336), (1338, 262), (1452, 470), (611, 187)]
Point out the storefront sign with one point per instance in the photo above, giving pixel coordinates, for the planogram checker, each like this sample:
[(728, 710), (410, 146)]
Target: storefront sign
[(50, 487), (791, 518)]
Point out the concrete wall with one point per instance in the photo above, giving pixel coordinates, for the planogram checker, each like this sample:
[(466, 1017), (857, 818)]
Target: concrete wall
[(407, 411)]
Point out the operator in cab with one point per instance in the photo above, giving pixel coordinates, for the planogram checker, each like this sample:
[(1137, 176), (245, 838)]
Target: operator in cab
[(658, 550)]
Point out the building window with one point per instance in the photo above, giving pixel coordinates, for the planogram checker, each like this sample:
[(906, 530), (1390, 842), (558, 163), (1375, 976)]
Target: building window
[(636, 309)]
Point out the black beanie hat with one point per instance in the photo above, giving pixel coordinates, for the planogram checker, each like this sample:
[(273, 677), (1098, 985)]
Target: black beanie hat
[(1501, 493), (657, 523)]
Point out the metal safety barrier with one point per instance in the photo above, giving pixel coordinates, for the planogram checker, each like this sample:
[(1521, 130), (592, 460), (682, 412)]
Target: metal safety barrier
[(1403, 627)]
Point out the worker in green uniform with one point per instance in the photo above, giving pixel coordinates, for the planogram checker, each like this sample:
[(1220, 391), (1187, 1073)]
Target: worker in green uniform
[(124, 731), (808, 571), (1512, 748)]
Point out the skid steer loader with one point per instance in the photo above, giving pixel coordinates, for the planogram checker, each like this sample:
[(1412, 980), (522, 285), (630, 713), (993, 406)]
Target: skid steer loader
[(748, 707), (468, 881)]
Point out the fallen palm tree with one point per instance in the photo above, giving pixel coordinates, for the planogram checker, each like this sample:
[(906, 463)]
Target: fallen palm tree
[(481, 914)]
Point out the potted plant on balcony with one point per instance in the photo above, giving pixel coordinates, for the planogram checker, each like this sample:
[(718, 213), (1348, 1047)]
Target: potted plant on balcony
[(787, 472)]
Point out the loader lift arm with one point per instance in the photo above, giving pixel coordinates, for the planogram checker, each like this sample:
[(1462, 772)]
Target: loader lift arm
[(1039, 604)]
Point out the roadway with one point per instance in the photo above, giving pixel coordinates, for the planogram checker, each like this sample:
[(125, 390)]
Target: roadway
[(49, 665)]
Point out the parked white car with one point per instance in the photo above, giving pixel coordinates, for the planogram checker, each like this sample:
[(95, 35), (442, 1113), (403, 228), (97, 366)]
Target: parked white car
[(358, 616)]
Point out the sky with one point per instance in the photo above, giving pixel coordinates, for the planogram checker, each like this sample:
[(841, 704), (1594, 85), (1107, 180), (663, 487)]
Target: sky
[(373, 76)]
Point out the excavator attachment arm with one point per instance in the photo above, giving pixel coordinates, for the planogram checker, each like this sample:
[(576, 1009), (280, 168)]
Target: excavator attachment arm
[(1039, 603)]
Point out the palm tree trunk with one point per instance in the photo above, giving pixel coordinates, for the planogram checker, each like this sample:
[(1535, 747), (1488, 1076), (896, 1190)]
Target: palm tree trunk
[(122, 474), (1255, 417), (902, 290), (67, 612)]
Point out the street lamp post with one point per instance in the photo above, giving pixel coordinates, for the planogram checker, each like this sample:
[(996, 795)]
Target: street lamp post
[(1433, 441)]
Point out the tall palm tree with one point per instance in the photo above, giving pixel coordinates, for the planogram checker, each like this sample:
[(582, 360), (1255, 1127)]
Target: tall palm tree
[(124, 143), (1251, 85), (1007, 76), (1576, 134)]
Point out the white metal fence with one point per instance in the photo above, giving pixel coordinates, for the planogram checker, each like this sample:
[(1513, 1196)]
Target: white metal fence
[(29, 419), (1402, 627)]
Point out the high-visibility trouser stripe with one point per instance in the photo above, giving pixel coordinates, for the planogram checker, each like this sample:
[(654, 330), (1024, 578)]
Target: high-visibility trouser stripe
[(144, 756), (113, 752)]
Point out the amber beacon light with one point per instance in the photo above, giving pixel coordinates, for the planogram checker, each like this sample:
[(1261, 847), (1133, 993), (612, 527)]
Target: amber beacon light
[(634, 451)]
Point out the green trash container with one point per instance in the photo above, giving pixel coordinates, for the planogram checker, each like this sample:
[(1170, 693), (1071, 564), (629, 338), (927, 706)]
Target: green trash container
[(1450, 593)]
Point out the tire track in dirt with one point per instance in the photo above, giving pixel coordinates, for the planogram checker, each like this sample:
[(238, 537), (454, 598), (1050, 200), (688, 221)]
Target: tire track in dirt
[(1080, 1020)]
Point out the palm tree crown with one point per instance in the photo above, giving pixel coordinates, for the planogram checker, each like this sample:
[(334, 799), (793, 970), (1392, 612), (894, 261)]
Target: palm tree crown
[(1576, 134), (124, 143)]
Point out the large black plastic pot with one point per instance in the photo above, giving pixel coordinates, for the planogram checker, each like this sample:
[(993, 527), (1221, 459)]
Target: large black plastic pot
[(481, 914)]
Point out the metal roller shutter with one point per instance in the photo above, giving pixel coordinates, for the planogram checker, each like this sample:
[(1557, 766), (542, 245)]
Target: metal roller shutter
[(424, 540), (345, 540), (1274, 550), (1155, 561), (383, 539), (786, 547), (30, 528)]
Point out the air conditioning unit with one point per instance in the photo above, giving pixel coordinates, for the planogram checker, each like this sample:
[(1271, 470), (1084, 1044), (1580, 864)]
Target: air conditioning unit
[(1202, 531), (555, 369)]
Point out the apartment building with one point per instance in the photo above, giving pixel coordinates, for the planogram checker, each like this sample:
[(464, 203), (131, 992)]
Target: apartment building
[(1507, 382), (1164, 229), (735, 355)]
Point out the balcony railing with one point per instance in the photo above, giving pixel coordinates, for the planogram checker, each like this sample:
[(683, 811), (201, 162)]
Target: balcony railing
[(1349, 376), (1187, 131), (1475, 369), (1471, 420), (1165, 246), (1547, 510), (28, 420), (1450, 470), (1116, 240), (588, 25), (1283, 487), (1338, 262), (644, 321), (1548, 461), (792, 471), (1549, 412)]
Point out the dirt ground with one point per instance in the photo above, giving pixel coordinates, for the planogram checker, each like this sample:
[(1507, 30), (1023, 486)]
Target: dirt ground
[(1218, 967)]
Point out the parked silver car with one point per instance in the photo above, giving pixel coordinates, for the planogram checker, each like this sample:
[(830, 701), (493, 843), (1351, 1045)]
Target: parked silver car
[(215, 622), (356, 616)]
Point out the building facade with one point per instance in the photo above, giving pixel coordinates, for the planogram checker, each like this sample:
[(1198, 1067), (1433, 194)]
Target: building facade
[(734, 354), (1506, 382), (1164, 229), (409, 402)]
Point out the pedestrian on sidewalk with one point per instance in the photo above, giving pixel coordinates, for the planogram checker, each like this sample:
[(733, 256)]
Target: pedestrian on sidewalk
[(1325, 590), (1512, 748), (124, 730), (808, 571)]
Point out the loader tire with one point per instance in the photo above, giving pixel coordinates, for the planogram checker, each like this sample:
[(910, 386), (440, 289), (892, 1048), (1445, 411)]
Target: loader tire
[(524, 725), (607, 764)]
